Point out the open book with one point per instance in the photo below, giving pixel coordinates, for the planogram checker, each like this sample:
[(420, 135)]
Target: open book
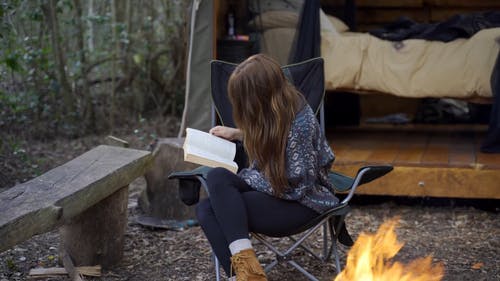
[(206, 149)]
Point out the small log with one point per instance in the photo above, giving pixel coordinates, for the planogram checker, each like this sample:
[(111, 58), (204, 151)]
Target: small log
[(70, 267), (93, 271), (112, 140), (96, 236), (160, 199)]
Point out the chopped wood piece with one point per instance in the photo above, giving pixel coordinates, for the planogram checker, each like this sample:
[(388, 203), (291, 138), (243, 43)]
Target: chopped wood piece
[(70, 267), (112, 140), (94, 271)]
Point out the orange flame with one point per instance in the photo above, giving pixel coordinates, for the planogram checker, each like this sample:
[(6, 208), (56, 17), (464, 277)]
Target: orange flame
[(369, 260)]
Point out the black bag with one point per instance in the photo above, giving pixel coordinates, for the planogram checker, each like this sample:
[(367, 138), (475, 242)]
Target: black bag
[(189, 191), (189, 184)]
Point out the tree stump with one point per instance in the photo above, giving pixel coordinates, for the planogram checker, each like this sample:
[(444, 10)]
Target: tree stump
[(96, 236), (161, 199)]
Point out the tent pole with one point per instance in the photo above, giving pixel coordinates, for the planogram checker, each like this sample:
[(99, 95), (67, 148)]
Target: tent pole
[(194, 8)]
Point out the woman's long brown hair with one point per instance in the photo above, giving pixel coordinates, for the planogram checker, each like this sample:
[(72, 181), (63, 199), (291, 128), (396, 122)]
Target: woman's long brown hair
[(264, 107)]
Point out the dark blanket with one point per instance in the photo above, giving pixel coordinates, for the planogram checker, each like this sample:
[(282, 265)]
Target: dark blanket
[(459, 26)]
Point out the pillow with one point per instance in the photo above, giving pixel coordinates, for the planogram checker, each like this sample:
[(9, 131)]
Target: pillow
[(325, 23), (262, 6), (288, 19), (275, 19), (338, 24)]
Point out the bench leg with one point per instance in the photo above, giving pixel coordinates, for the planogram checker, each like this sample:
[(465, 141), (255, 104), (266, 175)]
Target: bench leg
[(96, 236)]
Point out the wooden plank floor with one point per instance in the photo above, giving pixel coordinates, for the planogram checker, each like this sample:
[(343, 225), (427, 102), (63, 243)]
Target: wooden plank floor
[(427, 163)]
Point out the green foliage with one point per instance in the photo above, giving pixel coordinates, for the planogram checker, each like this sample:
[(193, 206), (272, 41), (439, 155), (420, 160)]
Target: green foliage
[(11, 265), (145, 64), (35, 15), (11, 60)]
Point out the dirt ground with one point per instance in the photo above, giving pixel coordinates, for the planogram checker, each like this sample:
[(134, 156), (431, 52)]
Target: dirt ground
[(465, 239)]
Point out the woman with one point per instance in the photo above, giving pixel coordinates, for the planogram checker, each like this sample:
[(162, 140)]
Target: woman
[(286, 184)]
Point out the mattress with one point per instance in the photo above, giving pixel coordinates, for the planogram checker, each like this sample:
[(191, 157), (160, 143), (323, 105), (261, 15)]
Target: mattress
[(411, 68)]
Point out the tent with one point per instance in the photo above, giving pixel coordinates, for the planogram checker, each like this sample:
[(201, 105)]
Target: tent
[(421, 176)]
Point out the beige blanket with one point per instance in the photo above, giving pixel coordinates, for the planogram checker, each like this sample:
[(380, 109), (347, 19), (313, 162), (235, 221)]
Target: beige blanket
[(411, 68)]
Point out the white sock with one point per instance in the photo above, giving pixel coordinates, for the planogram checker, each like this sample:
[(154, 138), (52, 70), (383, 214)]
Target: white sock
[(232, 278), (239, 245)]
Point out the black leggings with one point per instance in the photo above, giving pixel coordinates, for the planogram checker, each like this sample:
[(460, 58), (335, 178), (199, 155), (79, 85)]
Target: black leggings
[(234, 209)]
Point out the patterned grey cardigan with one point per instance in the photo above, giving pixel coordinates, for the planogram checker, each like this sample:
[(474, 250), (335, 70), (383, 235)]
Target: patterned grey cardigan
[(308, 160)]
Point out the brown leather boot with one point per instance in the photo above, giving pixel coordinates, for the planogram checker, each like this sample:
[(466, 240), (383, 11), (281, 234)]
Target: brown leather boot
[(247, 267)]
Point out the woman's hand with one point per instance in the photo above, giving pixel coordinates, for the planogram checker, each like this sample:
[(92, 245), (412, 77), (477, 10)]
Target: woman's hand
[(227, 133)]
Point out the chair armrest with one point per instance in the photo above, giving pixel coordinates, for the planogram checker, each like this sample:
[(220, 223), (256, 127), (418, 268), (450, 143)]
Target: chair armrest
[(194, 174), (341, 183), (373, 173), (365, 175)]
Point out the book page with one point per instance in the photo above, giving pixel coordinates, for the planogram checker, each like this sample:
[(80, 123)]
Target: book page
[(210, 143), (206, 149)]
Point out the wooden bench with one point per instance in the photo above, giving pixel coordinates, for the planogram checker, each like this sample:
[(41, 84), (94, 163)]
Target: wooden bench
[(86, 198)]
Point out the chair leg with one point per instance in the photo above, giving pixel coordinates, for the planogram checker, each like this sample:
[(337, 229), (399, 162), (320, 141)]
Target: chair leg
[(285, 256), (330, 225), (307, 249), (336, 254), (334, 236), (301, 269), (217, 267), (325, 242), (270, 266)]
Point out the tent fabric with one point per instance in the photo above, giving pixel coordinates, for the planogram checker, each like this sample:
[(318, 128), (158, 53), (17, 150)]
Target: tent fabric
[(199, 104), (308, 38)]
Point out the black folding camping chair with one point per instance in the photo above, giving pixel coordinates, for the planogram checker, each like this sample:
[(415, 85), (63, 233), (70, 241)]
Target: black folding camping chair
[(308, 78)]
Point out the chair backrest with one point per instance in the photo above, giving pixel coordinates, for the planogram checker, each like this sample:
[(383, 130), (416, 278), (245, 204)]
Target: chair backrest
[(307, 76)]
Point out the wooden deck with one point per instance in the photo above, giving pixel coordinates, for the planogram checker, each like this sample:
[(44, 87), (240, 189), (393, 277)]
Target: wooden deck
[(440, 162)]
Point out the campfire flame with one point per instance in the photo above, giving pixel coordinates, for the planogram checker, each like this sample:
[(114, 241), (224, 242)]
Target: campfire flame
[(369, 260)]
